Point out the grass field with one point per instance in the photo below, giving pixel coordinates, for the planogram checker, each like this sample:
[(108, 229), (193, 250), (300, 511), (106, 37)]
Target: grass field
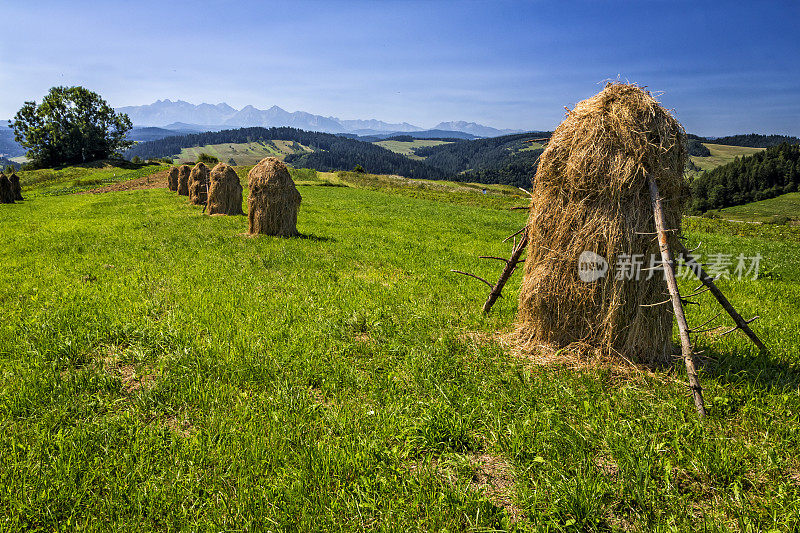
[(68, 180), (163, 371), (243, 153), (721, 155), (786, 205), (407, 147)]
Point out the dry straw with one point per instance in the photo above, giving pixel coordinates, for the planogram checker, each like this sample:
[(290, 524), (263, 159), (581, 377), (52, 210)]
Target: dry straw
[(16, 188), (6, 191), (590, 193), (183, 180), (273, 201), (172, 179), (198, 184), (224, 192)]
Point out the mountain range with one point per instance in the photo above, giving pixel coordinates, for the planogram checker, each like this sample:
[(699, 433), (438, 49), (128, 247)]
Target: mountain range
[(180, 115)]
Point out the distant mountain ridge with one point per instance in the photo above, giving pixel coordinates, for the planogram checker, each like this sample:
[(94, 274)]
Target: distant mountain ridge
[(479, 130), (208, 117)]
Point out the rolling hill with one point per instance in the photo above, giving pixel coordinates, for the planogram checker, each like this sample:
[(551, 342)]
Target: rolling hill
[(248, 153)]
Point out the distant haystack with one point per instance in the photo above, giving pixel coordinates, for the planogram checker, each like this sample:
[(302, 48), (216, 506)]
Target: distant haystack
[(224, 192), (591, 203), (183, 180), (274, 201), (198, 184), (172, 179), (16, 188), (6, 192)]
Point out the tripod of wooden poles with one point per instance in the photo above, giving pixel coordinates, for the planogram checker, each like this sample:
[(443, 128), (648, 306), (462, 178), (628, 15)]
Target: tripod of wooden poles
[(520, 239)]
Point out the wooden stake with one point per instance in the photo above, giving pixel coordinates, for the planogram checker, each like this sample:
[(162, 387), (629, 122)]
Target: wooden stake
[(511, 264), (741, 323), (677, 305)]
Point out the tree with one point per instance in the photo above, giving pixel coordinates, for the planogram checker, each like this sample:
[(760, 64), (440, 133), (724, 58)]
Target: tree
[(207, 158), (71, 125)]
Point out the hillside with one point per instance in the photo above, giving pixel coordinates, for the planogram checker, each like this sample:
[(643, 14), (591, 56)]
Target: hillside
[(721, 155), (755, 140), (407, 148), (763, 175), (161, 369), (244, 153), (785, 207)]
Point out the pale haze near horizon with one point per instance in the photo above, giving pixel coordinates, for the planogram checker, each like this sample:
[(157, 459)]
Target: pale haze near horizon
[(724, 67)]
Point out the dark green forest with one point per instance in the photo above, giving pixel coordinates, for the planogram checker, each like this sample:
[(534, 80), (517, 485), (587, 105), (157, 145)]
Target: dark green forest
[(761, 176), (495, 160), (754, 140)]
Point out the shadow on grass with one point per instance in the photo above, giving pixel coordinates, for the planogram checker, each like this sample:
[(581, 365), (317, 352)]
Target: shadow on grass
[(317, 238), (738, 366)]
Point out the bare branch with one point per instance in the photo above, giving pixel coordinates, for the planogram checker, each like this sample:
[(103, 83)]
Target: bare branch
[(472, 276), (515, 234)]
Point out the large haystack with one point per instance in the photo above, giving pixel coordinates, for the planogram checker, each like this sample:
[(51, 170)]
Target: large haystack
[(172, 179), (16, 188), (183, 179), (6, 191), (224, 192), (590, 193), (273, 201), (198, 184)]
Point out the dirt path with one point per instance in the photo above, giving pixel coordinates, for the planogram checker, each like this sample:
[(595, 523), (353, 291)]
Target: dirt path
[(153, 181)]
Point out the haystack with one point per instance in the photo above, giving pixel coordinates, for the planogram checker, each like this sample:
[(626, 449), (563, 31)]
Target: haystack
[(590, 194), (224, 192), (273, 201), (183, 180), (198, 184), (16, 188), (172, 179), (6, 191)]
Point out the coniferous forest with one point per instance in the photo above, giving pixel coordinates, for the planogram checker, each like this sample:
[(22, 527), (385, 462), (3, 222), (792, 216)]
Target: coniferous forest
[(761, 176)]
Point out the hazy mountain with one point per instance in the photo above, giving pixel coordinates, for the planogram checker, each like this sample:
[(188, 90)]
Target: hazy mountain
[(208, 117), (163, 112), (377, 125), (478, 130)]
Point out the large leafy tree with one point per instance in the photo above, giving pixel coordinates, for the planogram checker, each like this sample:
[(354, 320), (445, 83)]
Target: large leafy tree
[(71, 125)]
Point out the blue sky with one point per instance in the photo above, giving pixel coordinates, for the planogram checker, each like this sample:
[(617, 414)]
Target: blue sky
[(724, 67)]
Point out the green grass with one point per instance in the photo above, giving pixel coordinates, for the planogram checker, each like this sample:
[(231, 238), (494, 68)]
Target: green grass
[(243, 153), (162, 371), (721, 155), (68, 180), (786, 205), (407, 147)]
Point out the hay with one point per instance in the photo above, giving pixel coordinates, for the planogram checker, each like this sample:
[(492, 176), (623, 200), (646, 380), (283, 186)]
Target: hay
[(183, 180), (6, 191), (591, 193), (224, 192), (273, 201), (198, 184), (16, 188), (172, 179)]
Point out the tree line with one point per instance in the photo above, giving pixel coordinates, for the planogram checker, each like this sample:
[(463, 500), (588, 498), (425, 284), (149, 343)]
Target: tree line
[(761, 176), (753, 140)]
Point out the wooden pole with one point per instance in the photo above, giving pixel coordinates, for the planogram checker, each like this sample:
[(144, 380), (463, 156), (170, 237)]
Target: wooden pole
[(701, 274), (511, 264), (677, 305)]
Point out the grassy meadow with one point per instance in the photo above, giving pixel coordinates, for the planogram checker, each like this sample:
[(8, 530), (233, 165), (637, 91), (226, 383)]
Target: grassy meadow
[(407, 147), (243, 153), (785, 205), (163, 371), (722, 154)]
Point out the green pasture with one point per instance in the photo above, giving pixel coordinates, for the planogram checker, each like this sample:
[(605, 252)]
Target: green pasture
[(163, 371)]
